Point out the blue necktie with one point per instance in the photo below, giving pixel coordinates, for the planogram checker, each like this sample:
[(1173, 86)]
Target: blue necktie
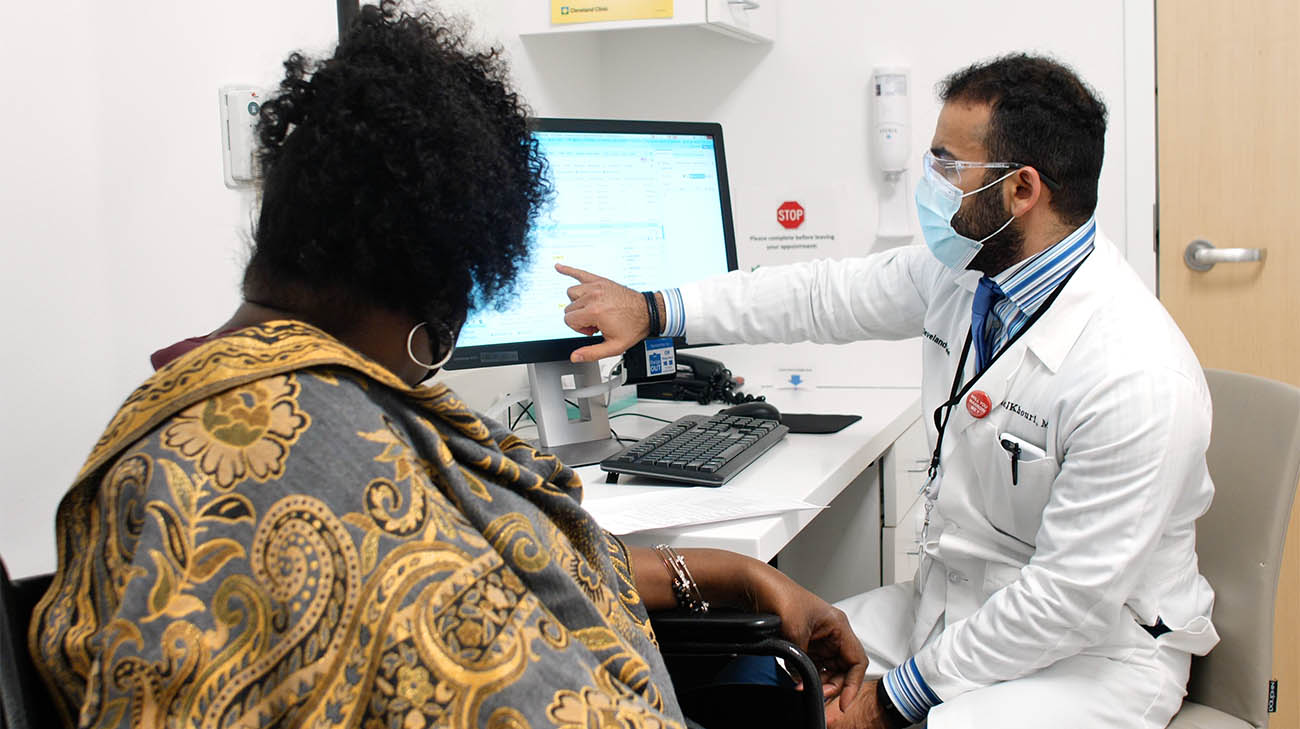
[(984, 328)]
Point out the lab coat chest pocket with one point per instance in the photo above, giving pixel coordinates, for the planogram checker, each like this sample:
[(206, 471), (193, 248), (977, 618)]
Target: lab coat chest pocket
[(1016, 482)]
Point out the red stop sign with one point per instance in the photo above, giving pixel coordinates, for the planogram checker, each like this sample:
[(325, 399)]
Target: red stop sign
[(790, 214)]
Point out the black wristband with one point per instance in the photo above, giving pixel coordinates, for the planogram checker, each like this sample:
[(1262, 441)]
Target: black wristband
[(894, 718), (652, 307)]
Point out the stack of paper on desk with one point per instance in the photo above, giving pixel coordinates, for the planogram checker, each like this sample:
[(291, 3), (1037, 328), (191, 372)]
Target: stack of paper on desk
[(678, 507)]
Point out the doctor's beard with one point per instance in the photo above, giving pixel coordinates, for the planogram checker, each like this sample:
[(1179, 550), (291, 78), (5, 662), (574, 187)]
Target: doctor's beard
[(986, 214)]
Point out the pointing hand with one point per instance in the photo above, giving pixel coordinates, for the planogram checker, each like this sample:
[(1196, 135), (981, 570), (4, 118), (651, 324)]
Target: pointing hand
[(598, 305)]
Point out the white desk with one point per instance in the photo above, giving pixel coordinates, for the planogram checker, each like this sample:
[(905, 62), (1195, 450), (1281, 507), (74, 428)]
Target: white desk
[(878, 380)]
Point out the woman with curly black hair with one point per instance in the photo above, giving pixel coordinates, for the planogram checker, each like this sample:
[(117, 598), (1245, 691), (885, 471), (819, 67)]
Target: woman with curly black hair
[(280, 528)]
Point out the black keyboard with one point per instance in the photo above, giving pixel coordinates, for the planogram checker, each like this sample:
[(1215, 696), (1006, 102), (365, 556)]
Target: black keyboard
[(705, 450)]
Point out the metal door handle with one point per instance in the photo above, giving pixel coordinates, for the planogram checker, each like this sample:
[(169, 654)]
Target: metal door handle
[(1201, 255), (744, 4)]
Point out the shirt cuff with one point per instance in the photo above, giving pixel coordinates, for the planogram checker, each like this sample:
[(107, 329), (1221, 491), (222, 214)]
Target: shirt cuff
[(674, 324), (909, 692)]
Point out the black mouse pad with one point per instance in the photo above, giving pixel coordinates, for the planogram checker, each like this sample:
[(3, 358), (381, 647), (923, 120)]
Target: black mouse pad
[(817, 423)]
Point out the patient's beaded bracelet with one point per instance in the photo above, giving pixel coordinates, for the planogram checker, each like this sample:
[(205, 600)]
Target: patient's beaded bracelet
[(684, 587)]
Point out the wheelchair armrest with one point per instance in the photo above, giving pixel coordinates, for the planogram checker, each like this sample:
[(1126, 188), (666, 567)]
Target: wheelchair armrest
[(722, 632), (718, 626)]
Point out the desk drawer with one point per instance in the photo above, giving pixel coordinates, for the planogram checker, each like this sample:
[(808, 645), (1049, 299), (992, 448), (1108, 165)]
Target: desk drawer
[(903, 473)]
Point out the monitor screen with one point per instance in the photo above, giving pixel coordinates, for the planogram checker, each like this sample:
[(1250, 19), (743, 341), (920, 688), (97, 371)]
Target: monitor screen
[(643, 203)]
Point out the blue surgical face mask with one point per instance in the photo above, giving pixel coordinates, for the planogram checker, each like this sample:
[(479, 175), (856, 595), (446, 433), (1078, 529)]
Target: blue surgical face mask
[(937, 201)]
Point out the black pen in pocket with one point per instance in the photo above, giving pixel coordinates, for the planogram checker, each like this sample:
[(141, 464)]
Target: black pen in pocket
[(1012, 447)]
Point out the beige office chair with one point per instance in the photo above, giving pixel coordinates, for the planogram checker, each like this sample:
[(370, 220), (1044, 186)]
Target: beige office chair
[(1254, 459)]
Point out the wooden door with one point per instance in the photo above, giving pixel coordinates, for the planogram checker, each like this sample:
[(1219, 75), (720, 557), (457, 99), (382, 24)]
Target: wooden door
[(1228, 85)]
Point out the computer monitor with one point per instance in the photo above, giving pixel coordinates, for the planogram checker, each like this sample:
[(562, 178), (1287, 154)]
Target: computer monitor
[(644, 203)]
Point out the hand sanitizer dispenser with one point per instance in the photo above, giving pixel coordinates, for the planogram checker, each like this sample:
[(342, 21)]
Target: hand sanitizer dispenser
[(891, 149), (893, 139)]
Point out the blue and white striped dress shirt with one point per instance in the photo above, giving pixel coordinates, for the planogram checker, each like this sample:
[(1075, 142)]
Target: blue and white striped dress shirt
[(1028, 284)]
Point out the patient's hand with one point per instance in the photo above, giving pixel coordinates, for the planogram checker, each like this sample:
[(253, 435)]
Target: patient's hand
[(818, 628), (862, 713), (600, 305)]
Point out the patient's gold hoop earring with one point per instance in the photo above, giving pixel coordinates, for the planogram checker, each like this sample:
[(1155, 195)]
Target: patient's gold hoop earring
[(410, 350)]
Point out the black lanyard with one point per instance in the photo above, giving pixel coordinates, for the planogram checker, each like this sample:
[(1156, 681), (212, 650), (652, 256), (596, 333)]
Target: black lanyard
[(955, 394)]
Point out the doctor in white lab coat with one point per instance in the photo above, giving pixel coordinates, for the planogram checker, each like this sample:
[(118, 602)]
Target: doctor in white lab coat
[(1069, 421)]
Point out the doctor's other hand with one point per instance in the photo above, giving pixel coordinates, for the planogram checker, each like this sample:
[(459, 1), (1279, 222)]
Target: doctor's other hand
[(863, 712), (598, 305)]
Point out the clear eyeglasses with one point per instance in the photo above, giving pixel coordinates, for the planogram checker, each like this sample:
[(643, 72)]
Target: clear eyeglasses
[(952, 170)]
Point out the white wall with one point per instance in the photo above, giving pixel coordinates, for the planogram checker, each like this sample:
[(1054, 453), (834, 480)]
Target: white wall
[(120, 237), (796, 114), (118, 233)]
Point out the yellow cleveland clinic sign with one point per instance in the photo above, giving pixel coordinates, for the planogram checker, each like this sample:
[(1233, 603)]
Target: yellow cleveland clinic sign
[(591, 11)]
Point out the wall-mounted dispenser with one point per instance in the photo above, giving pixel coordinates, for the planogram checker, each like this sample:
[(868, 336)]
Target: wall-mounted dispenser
[(891, 149)]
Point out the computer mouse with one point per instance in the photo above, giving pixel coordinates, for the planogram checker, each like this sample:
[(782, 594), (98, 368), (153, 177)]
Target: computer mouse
[(753, 409)]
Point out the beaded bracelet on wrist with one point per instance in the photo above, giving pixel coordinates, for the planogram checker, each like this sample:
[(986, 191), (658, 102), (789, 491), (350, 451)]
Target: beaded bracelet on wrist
[(685, 589)]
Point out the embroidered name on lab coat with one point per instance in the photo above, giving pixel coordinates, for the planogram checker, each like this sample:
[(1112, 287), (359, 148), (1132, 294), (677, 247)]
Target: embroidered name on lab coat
[(1015, 408), (926, 333)]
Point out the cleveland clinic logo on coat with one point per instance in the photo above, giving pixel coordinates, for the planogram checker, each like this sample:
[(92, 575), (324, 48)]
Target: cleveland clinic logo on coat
[(930, 336)]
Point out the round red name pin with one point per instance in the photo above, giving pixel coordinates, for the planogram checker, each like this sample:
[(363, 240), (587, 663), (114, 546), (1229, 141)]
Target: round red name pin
[(978, 404)]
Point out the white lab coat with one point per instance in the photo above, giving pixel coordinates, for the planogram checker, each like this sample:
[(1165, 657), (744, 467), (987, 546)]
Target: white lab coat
[(1097, 534)]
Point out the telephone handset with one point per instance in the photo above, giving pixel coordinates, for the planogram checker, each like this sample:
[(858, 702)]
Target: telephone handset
[(696, 367), (700, 379)]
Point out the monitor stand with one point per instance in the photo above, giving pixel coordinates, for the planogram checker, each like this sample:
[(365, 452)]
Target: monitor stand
[(576, 442)]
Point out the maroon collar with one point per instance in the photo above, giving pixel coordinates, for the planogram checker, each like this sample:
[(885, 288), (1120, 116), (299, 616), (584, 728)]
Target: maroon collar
[(165, 355)]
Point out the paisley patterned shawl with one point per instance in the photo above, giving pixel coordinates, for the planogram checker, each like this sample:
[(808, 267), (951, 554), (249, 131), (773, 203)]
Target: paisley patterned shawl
[(274, 530)]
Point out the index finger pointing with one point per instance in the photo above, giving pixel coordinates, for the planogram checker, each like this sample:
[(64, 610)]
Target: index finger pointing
[(578, 273)]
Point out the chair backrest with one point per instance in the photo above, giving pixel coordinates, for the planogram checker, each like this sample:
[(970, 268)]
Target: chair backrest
[(24, 703), (1254, 459)]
